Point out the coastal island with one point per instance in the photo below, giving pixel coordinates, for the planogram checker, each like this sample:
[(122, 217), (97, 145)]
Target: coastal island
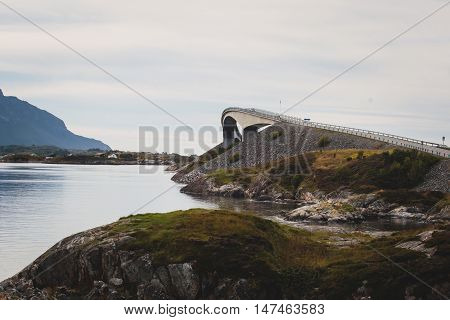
[(219, 254)]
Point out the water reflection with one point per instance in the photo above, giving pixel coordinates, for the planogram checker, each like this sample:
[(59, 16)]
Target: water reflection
[(245, 205), (41, 204), (273, 211)]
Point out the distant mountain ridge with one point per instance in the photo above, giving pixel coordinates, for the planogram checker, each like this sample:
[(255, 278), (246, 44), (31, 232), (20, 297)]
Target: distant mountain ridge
[(24, 124)]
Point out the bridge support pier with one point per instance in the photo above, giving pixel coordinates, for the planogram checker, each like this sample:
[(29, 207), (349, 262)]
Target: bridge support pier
[(250, 132), (230, 132)]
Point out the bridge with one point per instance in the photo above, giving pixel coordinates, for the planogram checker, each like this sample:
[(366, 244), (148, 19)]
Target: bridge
[(251, 119)]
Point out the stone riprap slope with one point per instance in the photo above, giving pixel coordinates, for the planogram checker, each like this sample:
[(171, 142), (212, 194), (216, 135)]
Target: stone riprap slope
[(282, 164), (438, 179), (277, 142)]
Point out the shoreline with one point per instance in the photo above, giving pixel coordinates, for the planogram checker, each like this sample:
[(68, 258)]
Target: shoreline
[(86, 164), (131, 259)]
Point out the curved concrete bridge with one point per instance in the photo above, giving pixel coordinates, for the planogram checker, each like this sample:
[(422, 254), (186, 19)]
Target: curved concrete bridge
[(250, 120)]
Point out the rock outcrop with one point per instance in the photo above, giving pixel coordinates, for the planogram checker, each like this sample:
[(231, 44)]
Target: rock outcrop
[(348, 207), (338, 206), (216, 254), (261, 189), (94, 265), (420, 244)]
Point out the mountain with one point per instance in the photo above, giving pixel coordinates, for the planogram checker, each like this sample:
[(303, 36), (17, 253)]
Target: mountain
[(24, 124)]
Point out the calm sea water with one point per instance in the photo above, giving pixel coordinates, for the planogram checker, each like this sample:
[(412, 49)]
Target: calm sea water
[(41, 204)]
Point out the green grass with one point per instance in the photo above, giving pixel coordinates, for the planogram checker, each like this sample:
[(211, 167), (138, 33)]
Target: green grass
[(345, 207), (391, 173), (396, 169), (285, 261), (276, 134), (229, 243), (410, 197), (243, 176)]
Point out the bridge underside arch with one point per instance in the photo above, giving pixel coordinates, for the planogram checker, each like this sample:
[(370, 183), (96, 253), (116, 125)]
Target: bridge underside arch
[(250, 125), (252, 130), (230, 132)]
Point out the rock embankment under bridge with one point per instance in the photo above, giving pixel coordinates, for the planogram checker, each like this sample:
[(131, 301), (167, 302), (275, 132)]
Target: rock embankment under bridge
[(276, 142), (346, 167)]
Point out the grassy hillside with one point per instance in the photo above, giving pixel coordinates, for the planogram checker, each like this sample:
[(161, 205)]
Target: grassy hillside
[(285, 261), (362, 170), (391, 172)]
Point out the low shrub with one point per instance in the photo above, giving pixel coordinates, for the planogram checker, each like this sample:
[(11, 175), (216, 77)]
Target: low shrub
[(324, 141), (276, 134), (235, 157)]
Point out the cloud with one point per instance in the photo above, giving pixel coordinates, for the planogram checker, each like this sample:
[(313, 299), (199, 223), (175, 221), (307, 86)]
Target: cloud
[(197, 57)]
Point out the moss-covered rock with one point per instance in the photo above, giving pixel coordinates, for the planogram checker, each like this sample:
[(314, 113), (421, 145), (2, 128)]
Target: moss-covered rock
[(389, 174), (218, 254)]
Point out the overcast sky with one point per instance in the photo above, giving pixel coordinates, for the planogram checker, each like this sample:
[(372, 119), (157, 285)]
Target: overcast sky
[(195, 58)]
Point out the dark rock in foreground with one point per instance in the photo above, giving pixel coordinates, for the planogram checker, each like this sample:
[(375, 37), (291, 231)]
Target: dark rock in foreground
[(207, 254)]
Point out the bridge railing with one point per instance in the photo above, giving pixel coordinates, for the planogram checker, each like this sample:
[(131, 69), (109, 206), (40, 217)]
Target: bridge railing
[(426, 146)]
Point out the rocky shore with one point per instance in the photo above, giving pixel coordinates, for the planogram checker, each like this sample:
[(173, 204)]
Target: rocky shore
[(348, 207), (347, 185), (341, 206), (207, 254), (100, 264)]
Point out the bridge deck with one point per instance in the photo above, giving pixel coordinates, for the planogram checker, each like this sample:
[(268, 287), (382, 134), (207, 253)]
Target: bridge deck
[(425, 146)]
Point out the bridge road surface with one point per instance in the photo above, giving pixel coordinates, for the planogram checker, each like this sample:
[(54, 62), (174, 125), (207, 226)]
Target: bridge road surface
[(271, 117)]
